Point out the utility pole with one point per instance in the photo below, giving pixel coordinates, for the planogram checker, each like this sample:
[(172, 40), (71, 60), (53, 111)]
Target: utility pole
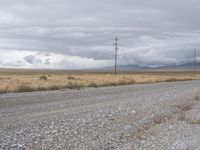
[(195, 61), (116, 49)]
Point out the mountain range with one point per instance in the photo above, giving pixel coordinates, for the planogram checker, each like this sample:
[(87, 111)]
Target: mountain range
[(182, 67)]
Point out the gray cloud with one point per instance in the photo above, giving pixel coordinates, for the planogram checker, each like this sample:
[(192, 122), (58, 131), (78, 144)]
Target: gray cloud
[(151, 32)]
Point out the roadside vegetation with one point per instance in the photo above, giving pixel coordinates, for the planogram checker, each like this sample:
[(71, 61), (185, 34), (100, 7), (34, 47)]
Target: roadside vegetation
[(43, 77), (26, 80), (197, 96)]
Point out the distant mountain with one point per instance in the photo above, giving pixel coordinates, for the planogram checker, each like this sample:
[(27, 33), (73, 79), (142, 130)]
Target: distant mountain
[(187, 67), (127, 68)]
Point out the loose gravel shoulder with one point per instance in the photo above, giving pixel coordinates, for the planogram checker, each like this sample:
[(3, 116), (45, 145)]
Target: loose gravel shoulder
[(153, 116)]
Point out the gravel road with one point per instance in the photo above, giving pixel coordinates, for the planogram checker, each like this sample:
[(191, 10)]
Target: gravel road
[(150, 116)]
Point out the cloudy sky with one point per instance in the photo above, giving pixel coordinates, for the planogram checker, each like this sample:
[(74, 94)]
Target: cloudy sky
[(72, 34)]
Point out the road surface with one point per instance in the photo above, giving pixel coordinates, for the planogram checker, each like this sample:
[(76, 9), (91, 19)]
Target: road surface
[(150, 116)]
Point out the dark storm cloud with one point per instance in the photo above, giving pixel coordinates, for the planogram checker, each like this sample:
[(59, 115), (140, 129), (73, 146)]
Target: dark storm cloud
[(153, 32)]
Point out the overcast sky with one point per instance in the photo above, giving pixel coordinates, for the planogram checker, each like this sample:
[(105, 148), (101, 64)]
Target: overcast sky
[(68, 34)]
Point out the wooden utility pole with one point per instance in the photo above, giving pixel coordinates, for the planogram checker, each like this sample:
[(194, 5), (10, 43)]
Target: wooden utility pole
[(116, 49), (195, 61)]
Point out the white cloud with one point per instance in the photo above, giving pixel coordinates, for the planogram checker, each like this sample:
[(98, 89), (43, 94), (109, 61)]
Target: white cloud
[(38, 60)]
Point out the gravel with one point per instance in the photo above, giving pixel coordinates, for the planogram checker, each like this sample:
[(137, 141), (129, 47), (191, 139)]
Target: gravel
[(149, 116)]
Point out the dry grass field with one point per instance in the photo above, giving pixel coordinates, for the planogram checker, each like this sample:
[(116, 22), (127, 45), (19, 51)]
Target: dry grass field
[(36, 80)]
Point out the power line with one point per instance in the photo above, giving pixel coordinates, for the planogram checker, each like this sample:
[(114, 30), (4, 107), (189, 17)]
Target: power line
[(116, 49), (195, 61)]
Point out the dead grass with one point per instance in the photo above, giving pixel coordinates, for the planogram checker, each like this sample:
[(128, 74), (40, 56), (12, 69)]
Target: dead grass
[(181, 116), (197, 121), (25, 88), (185, 107), (178, 79), (93, 84), (197, 96), (34, 80), (4, 90)]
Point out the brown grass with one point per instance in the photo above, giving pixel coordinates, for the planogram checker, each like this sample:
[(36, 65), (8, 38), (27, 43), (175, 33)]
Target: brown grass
[(178, 79), (34, 80)]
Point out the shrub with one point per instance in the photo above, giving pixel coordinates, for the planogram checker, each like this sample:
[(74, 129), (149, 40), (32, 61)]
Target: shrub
[(41, 89), (71, 78), (172, 80), (197, 97), (185, 107), (74, 85), (111, 84), (43, 77), (129, 82), (25, 88), (175, 79), (55, 87), (93, 84)]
